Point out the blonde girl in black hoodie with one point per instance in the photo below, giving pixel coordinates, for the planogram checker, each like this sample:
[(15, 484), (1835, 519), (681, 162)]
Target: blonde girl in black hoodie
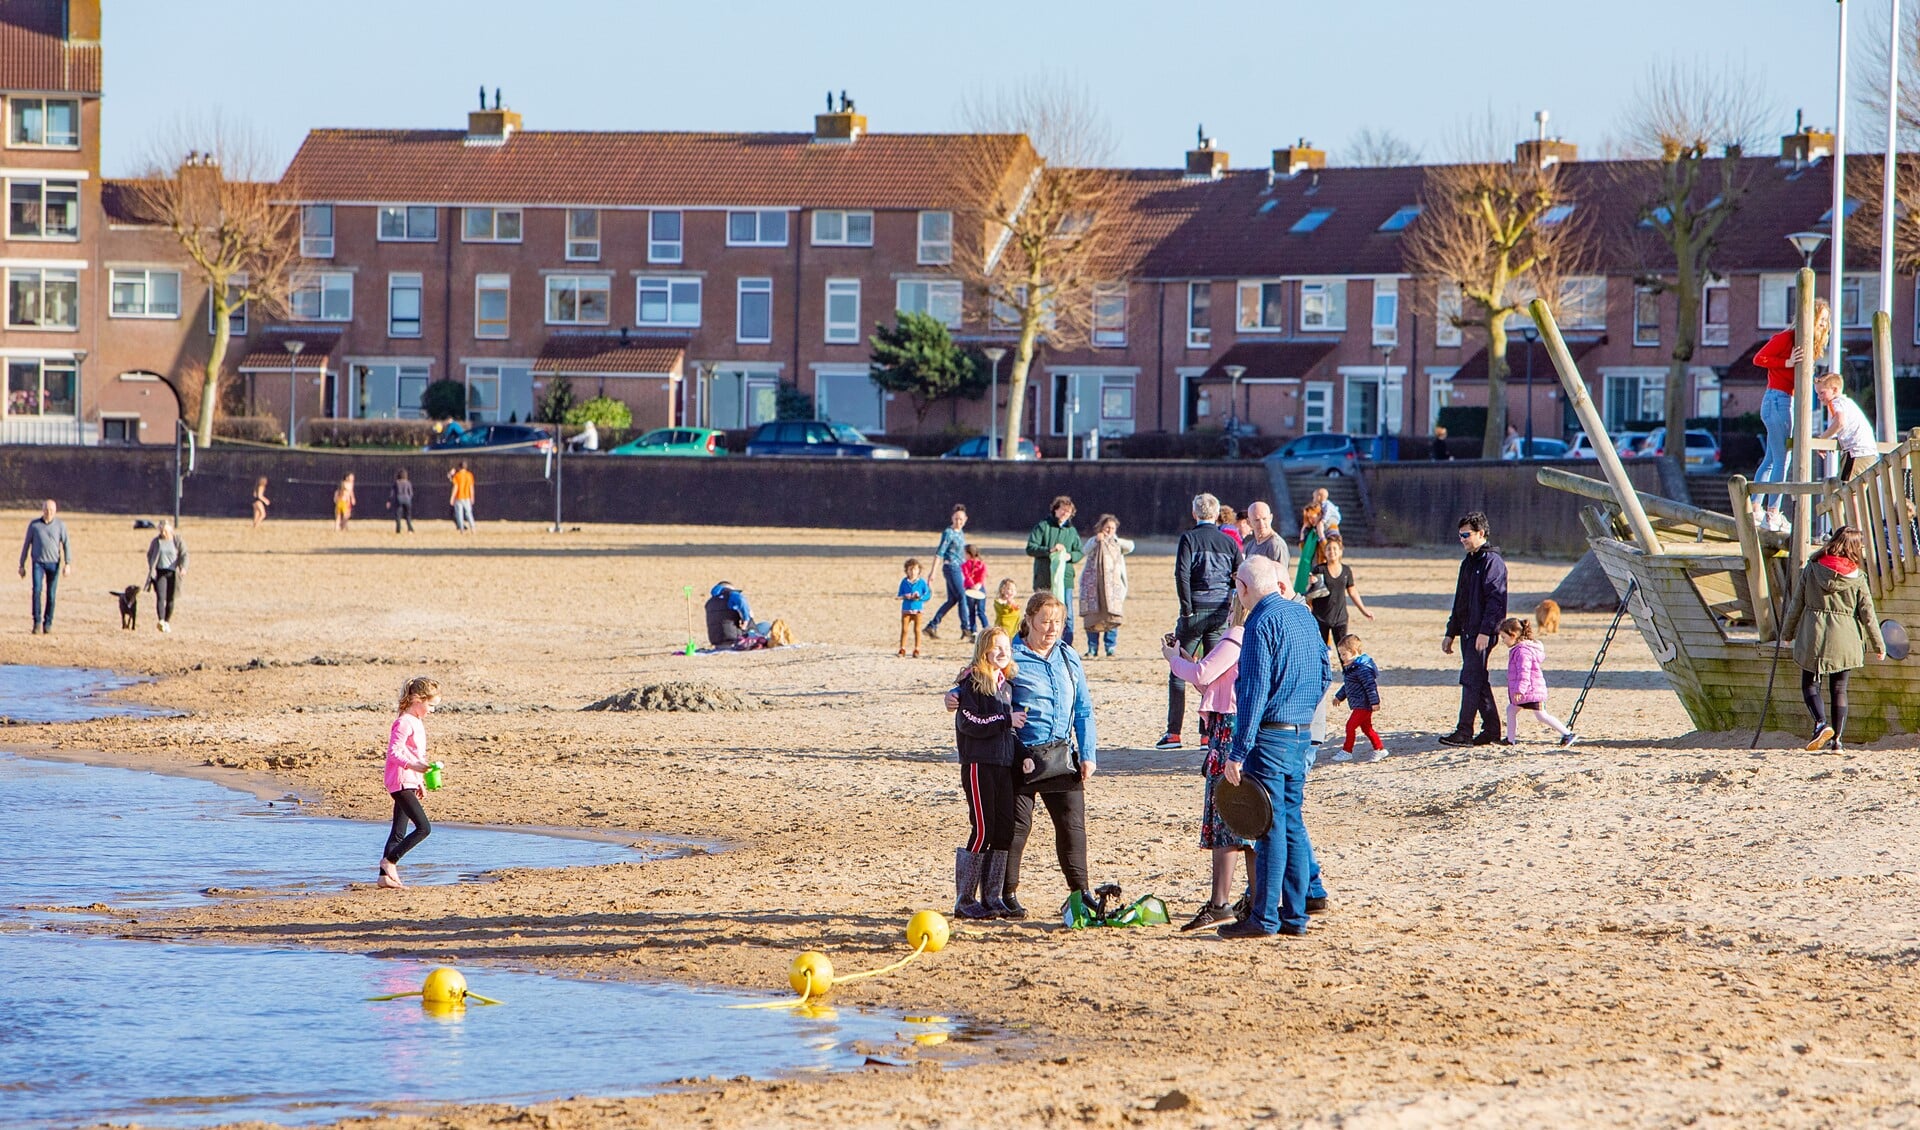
[(984, 721)]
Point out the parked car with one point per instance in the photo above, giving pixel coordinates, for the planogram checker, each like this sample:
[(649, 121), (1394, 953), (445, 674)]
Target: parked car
[(1543, 448), (976, 448), (1630, 445), (1703, 451), (1327, 454), (674, 441), (520, 437), (820, 438)]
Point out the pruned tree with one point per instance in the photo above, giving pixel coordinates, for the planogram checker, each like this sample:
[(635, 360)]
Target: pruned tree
[(1379, 149), (211, 185), (1688, 126), (1030, 245), (1499, 233), (1865, 176), (917, 356)]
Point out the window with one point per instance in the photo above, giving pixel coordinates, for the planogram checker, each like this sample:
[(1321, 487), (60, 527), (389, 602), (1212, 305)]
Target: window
[(1386, 311), (669, 302), (316, 231), (49, 123), (1199, 315), (1401, 219), (926, 296), (843, 311), (415, 223), (1084, 402), (1646, 316), (490, 295), (936, 237), (578, 300), (43, 299), (754, 319), (757, 229), (1323, 305), (1632, 398), (1263, 307), (145, 294), (403, 305), (43, 209), (1716, 311), (843, 229), (1312, 220), (384, 390), (236, 313), (491, 225), (496, 393), (1779, 300), (41, 387), (325, 296), (1447, 308), (1583, 303), (664, 242), (583, 234), (1110, 314), (1556, 214)]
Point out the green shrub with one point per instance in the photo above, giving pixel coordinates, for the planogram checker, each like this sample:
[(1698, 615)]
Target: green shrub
[(556, 403), (603, 411), (445, 399), (369, 433), (250, 429)]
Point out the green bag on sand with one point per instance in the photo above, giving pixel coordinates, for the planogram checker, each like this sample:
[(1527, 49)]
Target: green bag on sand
[(1078, 914)]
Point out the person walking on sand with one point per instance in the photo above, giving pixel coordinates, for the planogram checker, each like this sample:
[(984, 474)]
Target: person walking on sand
[(1204, 562), (166, 560), (1263, 540), (1527, 681), (462, 496), (1830, 622), (1213, 677), (1479, 605), (973, 603), (1103, 585), (260, 502), (1337, 587), (950, 553), (400, 500), (1055, 548), (46, 549), (343, 501), (406, 764)]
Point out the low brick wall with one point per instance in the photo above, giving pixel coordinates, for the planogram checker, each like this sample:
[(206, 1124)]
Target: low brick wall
[(1420, 503)]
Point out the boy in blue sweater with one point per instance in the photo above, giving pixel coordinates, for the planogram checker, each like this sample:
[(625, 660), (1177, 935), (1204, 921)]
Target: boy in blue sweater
[(914, 594), (1361, 692)]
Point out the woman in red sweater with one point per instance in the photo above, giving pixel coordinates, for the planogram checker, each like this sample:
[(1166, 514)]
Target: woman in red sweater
[(1779, 358)]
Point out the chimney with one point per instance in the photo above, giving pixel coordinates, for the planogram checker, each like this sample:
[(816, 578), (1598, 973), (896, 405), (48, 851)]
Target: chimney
[(1205, 161), (491, 126), (841, 124), (83, 21), (1542, 151), (1299, 156), (200, 180), (1806, 144)]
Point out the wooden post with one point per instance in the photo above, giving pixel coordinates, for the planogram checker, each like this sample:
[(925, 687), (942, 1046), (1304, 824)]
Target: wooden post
[(1755, 558), (1802, 453), (1883, 413), (1575, 387)]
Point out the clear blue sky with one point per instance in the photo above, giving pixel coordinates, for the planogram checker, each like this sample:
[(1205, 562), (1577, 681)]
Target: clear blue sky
[(1258, 73)]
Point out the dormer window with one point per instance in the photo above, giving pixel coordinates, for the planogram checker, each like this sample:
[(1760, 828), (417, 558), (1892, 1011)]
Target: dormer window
[(1311, 221)]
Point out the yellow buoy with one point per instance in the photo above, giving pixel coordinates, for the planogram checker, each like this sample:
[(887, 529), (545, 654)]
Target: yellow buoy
[(928, 927), (444, 985), (811, 974)]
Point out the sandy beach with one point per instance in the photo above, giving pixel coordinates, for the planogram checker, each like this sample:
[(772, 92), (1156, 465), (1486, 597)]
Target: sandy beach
[(1656, 928)]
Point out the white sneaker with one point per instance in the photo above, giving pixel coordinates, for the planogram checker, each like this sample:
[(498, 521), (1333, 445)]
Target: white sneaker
[(1776, 522), (1343, 755), (1375, 755), (165, 627)]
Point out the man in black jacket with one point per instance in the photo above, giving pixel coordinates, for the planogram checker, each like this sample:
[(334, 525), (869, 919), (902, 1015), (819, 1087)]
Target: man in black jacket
[(1203, 568), (1479, 604)]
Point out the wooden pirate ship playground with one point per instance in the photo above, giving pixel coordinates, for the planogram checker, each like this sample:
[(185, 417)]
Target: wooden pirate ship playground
[(1707, 589)]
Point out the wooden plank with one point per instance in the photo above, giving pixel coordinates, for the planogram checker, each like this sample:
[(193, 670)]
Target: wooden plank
[(1752, 560)]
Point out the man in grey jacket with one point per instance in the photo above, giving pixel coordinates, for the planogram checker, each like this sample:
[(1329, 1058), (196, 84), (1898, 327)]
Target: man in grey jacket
[(46, 549), (1203, 567)]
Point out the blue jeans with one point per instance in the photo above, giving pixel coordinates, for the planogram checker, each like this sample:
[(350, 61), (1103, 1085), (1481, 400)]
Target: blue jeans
[(48, 576), (1776, 412), (1283, 864), (950, 570), (973, 613), (1095, 640), (1066, 637)]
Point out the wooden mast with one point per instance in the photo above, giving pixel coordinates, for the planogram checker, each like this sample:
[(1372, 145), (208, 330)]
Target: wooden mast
[(1575, 387), (1803, 417)]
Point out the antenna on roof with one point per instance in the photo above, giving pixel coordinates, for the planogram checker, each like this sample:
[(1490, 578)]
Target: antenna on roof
[(496, 98), (483, 96), (1200, 135), (829, 101)]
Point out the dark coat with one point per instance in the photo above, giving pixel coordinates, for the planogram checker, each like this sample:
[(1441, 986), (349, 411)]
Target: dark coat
[(1203, 566), (1479, 596), (1831, 619), (983, 725)]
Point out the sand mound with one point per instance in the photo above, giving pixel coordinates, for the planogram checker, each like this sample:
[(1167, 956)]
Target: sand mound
[(701, 697)]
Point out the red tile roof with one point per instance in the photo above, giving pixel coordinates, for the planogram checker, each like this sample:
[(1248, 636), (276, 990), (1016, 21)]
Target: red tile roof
[(35, 56), (1271, 358), (611, 354), (670, 169), (269, 350), (1517, 350)]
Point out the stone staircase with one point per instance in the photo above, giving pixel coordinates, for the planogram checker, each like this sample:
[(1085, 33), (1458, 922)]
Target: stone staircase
[(1709, 491), (1355, 517)]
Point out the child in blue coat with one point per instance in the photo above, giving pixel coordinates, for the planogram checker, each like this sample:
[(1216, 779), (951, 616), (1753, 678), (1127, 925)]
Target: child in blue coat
[(1361, 692), (914, 594)]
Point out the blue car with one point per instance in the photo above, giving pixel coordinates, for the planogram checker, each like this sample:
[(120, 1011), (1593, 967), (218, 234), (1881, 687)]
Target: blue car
[(821, 439), (976, 448)]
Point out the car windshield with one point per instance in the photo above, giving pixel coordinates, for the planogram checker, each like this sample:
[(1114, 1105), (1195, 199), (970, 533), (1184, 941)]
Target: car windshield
[(843, 433)]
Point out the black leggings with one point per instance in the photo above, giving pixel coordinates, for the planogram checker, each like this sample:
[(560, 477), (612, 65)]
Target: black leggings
[(406, 807), (1837, 688), (402, 512), (166, 582), (990, 791), (1068, 808)]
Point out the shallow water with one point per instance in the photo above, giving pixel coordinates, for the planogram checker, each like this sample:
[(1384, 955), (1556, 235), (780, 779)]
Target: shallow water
[(66, 694)]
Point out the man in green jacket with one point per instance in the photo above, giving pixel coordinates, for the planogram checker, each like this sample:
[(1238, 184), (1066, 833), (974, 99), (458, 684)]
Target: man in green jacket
[(1055, 538)]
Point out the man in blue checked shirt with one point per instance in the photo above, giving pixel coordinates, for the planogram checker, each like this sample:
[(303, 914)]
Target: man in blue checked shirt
[(1283, 675)]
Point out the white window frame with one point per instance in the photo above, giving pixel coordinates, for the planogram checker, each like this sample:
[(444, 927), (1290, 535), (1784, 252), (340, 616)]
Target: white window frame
[(580, 284), (143, 277), (1386, 322), (936, 249), (1439, 393), (407, 214), (663, 250), (763, 219), (482, 325), (1110, 388), (237, 319), (1574, 306), (399, 282), (46, 185), (1199, 335), (18, 102), (403, 373), (1109, 331), (1716, 333), (494, 216), (1777, 300), (1646, 334), (1448, 304), (834, 228), (582, 248), (314, 246), (1323, 305), (847, 330), (938, 297), (1258, 289), (665, 285), (320, 282), (44, 277), (72, 368), (756, 287), (1316, 407)]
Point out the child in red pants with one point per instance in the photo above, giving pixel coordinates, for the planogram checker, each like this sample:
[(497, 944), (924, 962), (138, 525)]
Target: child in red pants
[(1361, 692)]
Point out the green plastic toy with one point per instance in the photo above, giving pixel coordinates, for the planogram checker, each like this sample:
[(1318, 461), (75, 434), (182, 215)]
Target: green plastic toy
[(1077, 914), (433, 775)]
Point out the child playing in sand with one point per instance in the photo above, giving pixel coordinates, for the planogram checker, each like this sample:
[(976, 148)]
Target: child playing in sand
[(260, 503), (914, 594), (1006, 607), (1361, 693), (1527, 679), (343, 503), (973, 606), (406, 762)]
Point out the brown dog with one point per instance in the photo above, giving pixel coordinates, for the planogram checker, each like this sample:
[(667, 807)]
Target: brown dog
[(1547, 616), (129, 599)]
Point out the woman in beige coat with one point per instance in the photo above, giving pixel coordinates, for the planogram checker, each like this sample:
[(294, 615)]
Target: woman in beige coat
[(1829, 624), (1103, 585)]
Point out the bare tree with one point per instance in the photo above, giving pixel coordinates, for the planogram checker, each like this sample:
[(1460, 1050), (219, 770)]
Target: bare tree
[(1378, 149), (1864, 176), (209, 183), (1030, 249), (1689, 123), (1499, 233)]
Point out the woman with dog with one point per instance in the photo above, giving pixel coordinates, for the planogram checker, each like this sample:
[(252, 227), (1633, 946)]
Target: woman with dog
[(166, 560)]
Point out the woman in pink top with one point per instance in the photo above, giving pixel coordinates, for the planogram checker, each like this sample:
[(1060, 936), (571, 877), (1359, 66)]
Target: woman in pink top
[(1213, 677), (406, 761)]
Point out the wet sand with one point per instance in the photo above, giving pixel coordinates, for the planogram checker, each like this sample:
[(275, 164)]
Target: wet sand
[(1657, 928)]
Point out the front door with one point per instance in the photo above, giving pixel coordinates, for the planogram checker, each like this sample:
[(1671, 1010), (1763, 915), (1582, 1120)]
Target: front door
[(1363, 406), (1317, 407)]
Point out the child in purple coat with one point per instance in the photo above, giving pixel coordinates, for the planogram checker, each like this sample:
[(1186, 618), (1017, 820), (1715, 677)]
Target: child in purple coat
[(1527, 679)]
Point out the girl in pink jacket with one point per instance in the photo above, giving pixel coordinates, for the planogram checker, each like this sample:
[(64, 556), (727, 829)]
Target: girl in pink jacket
[(406, 762), (1213, 677), (1527, 679)]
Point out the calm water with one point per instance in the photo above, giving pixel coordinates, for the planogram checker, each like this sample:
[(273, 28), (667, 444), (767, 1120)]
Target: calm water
[(66, 694)]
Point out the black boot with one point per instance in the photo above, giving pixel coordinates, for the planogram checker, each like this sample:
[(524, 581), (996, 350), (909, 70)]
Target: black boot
[(993, 886), (1014, 909), (967, 866)]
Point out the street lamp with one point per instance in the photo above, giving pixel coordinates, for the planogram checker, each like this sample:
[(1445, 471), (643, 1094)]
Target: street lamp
[(294, 347), (994, 354), (1234, 373), (1806, 243), (1532, 334)]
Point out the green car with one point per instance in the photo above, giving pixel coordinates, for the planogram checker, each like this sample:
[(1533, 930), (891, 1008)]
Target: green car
[(674, 441)]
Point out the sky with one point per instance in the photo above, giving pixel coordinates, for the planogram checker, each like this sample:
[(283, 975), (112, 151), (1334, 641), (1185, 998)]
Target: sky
[(1257, 73)]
